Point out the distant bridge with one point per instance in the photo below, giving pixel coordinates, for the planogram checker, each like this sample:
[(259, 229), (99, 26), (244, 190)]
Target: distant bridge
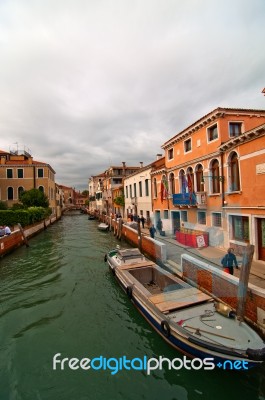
[(71, 207)]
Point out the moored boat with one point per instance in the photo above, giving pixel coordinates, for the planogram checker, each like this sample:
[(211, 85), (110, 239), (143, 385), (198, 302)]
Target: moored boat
[(188, 319), (103, 227)]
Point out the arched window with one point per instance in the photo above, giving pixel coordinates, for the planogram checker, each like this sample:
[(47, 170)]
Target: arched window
[(171, 183), (199, 175), (215, 182), (10, 193), (41, 188), (163, 188), (234, 172), (20, 190), (155, 188), (182, 181), (190, 180)]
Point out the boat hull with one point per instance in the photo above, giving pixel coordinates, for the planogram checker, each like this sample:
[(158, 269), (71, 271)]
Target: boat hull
[(176, 334)]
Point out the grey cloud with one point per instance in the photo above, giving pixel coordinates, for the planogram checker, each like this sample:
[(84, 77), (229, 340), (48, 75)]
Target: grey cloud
[(85, 84)]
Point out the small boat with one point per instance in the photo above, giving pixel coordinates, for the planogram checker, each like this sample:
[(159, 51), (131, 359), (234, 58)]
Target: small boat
[(91, 217), (187, 318), (103, 227)]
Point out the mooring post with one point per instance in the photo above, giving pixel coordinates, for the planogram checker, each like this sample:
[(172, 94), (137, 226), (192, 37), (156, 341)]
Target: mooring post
[(23, 234), (243, 281), (120, 228), (139, 234)]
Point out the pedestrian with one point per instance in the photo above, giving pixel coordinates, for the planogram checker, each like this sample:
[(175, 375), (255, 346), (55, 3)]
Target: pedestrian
[(142, 220), (229, 260), (2, 231), (152, 231), (7, 230), (159, 225)]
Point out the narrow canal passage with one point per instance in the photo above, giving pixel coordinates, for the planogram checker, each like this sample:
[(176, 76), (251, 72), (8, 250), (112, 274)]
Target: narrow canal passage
[(58, 296)]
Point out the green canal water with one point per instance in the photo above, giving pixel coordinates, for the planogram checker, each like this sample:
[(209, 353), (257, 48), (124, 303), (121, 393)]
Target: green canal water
[(58, 296)]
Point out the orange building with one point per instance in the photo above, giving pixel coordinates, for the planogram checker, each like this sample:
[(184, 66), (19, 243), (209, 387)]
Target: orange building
[(214, 178), (19, 172)]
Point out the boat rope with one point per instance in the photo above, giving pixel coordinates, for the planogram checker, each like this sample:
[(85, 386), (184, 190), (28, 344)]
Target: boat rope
[(215, 341), (198, 332), (207, 314)]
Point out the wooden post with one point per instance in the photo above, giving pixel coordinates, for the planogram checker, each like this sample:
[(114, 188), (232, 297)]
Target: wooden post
[(243, 281), (120, 228), (139, 234), (23, 234)]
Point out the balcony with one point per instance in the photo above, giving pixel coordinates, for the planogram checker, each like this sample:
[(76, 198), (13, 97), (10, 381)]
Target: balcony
[(184, 199), (198, 200)]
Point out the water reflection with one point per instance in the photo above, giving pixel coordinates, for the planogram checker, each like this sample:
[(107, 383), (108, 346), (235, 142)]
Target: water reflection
[(58, 296)]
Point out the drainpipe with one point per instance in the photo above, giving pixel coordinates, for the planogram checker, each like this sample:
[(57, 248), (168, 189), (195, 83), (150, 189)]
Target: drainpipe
[(34, 177), (222, 182)]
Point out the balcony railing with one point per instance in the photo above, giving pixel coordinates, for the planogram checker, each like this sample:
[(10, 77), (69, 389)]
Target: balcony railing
[(190, 199)]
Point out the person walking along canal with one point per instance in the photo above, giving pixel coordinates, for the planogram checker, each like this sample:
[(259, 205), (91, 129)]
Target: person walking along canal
[(229, 260), (152, 231)]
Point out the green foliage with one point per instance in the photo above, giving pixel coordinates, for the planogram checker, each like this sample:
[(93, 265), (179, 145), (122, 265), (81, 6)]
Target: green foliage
[(85, 193), (37, 214), (11, 218), (34, 197), (120, 201), (17, 206), (3, 205), (24, 217)]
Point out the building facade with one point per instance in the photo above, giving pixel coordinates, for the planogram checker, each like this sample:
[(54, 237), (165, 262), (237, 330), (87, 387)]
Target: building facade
[(19, 172), (213, 178), (137, 191)]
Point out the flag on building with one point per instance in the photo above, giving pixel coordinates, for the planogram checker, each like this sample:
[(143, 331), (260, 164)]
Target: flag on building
[(164, 189)]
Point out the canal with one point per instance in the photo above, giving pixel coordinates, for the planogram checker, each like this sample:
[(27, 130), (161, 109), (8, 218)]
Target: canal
[(58, 296)]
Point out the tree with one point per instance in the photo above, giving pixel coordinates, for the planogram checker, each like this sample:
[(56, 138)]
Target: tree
[(34, 198), (120, 200), (85, 193)]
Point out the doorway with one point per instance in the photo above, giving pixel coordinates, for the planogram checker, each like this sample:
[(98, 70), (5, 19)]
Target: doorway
[(175, 221), (261, 239)]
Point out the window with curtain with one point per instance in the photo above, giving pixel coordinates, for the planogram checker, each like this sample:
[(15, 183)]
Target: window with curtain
[(199, 175), (155, 188), (215, 176), (234, 173), (240, 228), (146, 188), (172, 183), (182, 181)]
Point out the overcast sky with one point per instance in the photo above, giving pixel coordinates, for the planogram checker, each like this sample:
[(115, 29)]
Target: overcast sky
[(85, 84)]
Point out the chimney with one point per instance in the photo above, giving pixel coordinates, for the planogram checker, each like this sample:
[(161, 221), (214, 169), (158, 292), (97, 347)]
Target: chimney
[(141, 164), (123, 168), (158, 156)]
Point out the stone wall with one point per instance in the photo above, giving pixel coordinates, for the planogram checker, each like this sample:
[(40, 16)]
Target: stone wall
[(224, 287)]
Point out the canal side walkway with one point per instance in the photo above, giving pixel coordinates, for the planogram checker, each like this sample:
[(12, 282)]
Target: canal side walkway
[(211, 255)]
